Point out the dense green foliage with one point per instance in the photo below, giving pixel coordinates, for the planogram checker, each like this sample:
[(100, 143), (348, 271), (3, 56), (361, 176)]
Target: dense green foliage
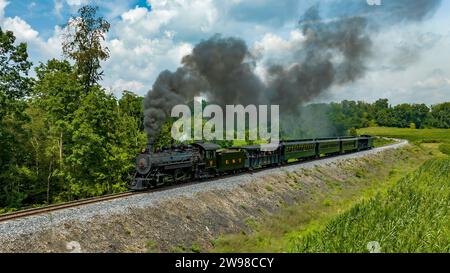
[(15, 85), (63, 137), (412, 216), (445, 148), (342, 118), (416, 136), (77, 145), (440, 116), (383, 210), (83, 44)]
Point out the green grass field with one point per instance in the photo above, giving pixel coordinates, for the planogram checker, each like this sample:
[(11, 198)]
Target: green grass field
[(412, 216), (416, 136), (421, 137), (408, 212)]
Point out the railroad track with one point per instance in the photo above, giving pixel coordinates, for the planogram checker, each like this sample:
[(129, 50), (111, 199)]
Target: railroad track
[(73, 204), (37, 211), (51, 208)]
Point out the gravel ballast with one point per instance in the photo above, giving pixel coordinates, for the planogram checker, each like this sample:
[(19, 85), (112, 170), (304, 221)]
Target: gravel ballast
[(27, 227)]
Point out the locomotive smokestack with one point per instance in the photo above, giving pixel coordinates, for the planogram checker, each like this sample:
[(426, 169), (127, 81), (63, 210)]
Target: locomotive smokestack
[(335, 48), (150, 145)]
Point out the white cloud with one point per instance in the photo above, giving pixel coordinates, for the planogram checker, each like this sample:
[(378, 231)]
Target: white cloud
[(437, 79), (144, 42), (21, 29), (140, 22), (58, 6), (120, 85), (135, 66), (275, 48), (3, 5), (77, 2), (38, 47)]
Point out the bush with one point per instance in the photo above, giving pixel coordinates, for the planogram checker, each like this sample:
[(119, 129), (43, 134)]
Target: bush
[(353, 132), (411, 217), (445, 149)]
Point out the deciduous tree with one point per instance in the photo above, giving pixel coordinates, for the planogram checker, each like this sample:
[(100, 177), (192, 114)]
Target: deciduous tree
[(83, 43)]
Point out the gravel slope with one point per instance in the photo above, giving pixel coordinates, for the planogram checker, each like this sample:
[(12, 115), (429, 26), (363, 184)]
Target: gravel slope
[(11, 230)]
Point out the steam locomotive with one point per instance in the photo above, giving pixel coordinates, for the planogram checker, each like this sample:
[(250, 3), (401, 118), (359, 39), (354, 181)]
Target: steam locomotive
[(182, 163)]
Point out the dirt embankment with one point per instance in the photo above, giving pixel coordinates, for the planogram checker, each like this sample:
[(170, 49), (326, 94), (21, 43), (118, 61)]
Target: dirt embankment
[(192, 223)]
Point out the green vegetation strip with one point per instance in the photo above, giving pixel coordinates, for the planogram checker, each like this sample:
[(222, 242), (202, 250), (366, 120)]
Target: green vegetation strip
[(445, 149), (381, 141), (275, 233), (413, 216), (416, 136), (402, 208)]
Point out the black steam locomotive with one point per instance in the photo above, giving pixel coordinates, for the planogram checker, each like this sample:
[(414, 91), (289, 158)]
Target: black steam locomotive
[(200, 160)]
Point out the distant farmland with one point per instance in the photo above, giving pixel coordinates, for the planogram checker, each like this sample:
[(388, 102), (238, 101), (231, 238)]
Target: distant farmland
[(403, 207), (412, 216)]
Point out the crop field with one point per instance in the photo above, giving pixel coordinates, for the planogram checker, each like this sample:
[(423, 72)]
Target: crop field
[(416, 136), (412, 216), (404, 212), (427, 138)]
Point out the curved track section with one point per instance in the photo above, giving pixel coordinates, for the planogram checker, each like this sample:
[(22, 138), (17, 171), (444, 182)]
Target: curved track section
[(47, 209), (112, 197)]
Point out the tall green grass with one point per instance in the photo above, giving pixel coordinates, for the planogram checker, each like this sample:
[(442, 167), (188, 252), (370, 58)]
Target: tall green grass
[(412, 216), (413, 135), (445, 148)]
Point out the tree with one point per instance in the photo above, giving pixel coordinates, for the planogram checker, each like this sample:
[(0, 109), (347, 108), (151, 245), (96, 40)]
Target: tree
[(405, 114), (103, 146), (379, 112), (15, 85), (130, 108), (419, 114), (83, 44), (440, 116), (131, 104), (14, 68), (56, 96)]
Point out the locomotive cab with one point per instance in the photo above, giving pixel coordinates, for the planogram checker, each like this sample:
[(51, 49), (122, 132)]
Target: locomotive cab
[(208, 154)]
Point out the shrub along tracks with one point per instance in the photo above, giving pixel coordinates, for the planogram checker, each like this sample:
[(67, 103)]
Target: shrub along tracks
[(74, 204)]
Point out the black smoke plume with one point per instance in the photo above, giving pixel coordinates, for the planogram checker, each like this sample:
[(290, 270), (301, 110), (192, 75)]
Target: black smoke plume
[(334, 52)]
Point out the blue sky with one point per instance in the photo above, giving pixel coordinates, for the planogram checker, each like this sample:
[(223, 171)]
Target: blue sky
[(42, 15), (148, 36)]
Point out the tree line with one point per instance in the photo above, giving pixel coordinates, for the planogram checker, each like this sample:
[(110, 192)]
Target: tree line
[(351, 114), (337, 119), (64, 137)]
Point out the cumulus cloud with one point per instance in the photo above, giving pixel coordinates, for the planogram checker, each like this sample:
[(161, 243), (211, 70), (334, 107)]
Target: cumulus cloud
[(77, 2), (145, 41), (58, 7), (437, 79), (3, 5), (38, 47), (21, 29)]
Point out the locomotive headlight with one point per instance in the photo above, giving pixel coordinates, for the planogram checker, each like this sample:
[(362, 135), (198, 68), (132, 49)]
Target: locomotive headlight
[(143, 164)]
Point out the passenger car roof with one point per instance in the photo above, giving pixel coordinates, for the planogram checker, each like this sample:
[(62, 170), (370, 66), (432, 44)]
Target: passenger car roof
[(207, 146), (263, 147)]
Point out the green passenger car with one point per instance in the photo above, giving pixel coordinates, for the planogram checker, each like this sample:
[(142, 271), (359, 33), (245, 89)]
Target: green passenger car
[(349, 144), (371, 141), (299, 150), (230, 160), (329, 146)]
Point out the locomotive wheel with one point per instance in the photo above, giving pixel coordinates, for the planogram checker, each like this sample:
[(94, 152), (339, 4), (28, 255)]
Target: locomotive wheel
[(178, 176)]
